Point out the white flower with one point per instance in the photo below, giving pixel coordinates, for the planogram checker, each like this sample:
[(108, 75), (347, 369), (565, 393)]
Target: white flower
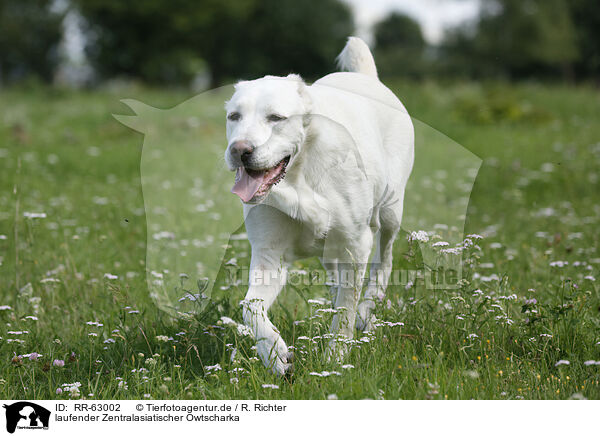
[(332, 397), (5, 308), (32, 215), (472, 336), (96, 323), (474, 236), (110, 276), (215, 367), (562, 362), (591, 362), (268, 386), (325, 373), (162, 338), (559, 263), (420, 236)]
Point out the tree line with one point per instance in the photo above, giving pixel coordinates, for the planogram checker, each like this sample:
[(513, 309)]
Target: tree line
[(170, 41)]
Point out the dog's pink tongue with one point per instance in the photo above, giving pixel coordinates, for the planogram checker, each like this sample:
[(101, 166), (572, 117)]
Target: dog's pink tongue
[(245, 185)]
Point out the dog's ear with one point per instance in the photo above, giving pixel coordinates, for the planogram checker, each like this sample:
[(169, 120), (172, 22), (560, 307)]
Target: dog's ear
[(303, 92)]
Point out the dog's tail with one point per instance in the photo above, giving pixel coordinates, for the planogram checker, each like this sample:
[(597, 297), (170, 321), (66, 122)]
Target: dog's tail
[(357, 58)]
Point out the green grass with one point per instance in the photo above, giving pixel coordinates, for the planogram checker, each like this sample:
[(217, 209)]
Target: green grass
[(535, 201)]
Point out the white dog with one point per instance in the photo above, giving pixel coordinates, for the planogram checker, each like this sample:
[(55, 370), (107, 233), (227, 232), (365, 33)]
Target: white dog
[(321, 171)]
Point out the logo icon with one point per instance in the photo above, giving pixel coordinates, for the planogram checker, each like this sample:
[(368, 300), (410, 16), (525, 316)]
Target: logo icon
[(26, 415)]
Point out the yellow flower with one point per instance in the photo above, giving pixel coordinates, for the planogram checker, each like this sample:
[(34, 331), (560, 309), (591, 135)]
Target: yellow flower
[(414, 358), (500, 373)]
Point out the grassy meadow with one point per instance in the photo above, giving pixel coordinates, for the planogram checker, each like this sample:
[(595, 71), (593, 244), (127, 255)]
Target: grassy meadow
[(78, 320)]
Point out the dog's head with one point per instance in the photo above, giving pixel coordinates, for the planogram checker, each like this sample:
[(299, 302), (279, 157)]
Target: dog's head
[(266, 127)]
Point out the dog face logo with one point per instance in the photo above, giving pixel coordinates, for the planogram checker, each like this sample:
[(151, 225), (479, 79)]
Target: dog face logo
[(26, 415)]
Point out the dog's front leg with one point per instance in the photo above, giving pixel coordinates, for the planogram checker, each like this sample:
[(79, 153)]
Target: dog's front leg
[(267, 278)]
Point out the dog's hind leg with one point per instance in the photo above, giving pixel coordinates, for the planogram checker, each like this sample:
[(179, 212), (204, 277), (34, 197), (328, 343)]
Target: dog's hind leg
[(381, 268), (351, 271)]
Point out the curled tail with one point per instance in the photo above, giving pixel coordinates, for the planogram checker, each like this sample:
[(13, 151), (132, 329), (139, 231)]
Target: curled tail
[(357, 58)]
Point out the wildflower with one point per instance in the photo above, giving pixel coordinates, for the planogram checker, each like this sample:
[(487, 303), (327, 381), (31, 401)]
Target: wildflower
[(96, 323), (110, 276), (325, 373), (32, 215), (269, 386), (562, 362), (332, 397), (420, 236), (123, 385), (472, 336), (109, 341), (150, 361), (559, 263), (162, 338), (59, 391), (347, 366), (474, 236), (5, 308), (32, 356), (591, 362), (212, 368)]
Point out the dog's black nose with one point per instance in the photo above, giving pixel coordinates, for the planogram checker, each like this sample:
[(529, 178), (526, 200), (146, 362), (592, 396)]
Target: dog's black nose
[(242, 150)]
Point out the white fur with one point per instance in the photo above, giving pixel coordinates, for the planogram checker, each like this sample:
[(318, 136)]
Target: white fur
[(351, 142)]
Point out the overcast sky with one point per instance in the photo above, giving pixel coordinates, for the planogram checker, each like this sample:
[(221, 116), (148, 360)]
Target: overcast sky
[(433, 15)]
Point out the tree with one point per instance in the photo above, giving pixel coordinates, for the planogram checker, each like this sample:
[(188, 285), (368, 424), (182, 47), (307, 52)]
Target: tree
[(586, 19), (164, 40), (279, 37), (159, 41), (517, 38), (399, 46), (30, 33)]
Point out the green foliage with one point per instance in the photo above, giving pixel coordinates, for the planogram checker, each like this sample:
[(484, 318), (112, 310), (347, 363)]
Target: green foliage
[(515, 38), (586, 16), (29, 37), (399, 47), (163, 41)]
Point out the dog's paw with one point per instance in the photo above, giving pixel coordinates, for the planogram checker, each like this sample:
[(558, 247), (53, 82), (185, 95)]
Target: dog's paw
[(276, 356), (364, 318)]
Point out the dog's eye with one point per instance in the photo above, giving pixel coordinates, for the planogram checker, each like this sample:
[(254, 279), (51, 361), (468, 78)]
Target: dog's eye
[(274, 118), (234, 116)]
